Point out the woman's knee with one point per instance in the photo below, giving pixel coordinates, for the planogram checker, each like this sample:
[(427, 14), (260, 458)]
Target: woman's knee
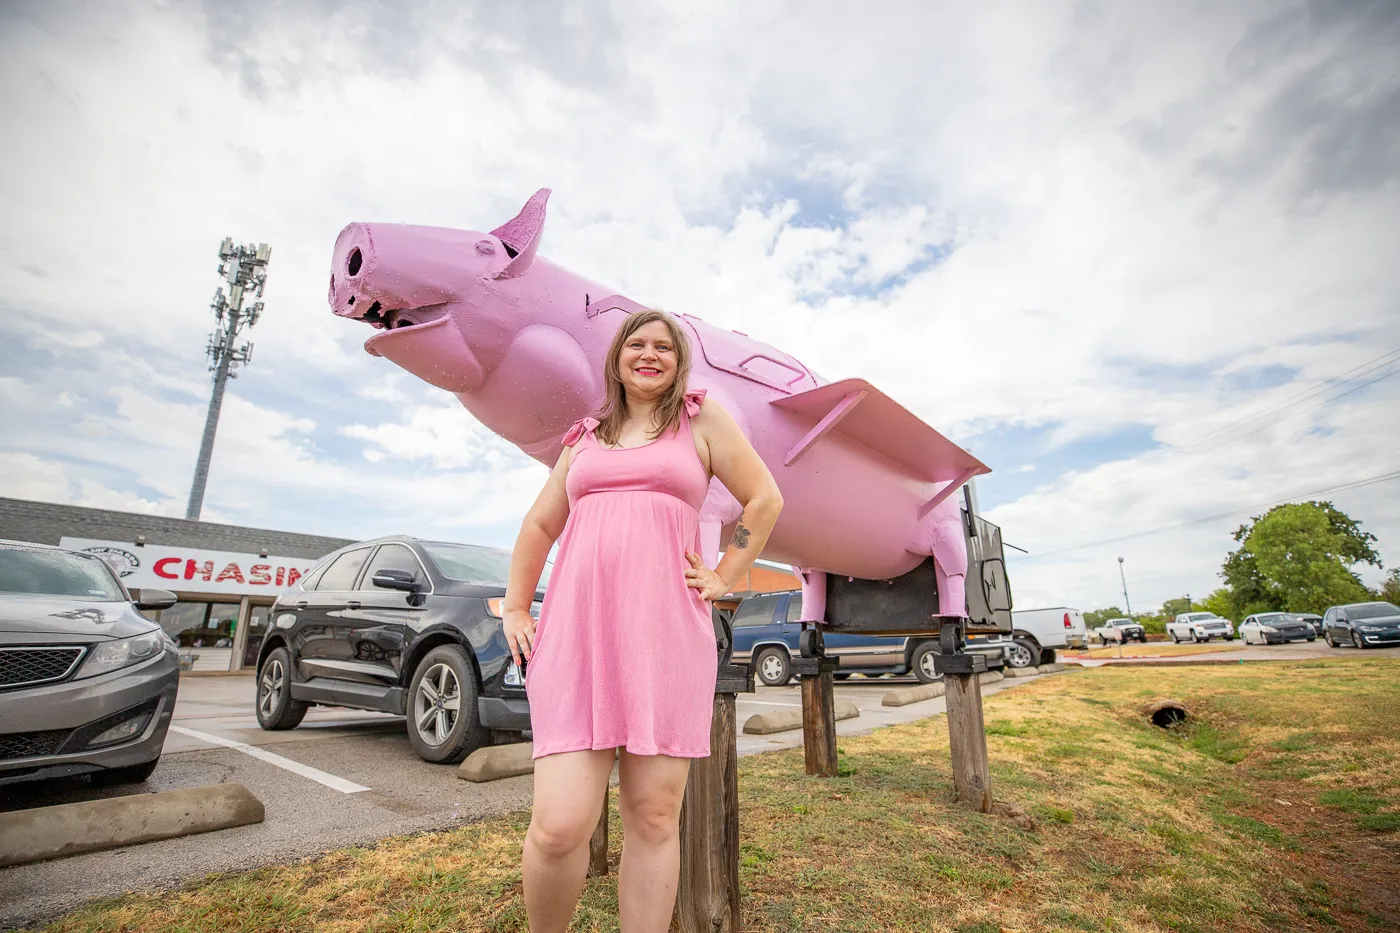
[(558, 833), (653, 821)]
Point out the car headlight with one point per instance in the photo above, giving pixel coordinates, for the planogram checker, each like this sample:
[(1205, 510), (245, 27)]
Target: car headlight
[(1370, 628), (1267, 628), (123, 652)]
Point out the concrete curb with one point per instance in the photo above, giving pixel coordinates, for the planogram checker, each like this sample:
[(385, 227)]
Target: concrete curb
[(991, 677), (94, 825), (789, 719), (1033, 671), (909, 695), (498, 761)]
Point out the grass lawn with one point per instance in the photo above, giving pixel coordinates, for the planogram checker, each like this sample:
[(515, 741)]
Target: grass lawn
[(1275, 808), (1150, 650)]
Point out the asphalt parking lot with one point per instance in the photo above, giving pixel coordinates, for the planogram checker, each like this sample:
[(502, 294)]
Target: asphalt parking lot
[(343, 777), (347, 777)]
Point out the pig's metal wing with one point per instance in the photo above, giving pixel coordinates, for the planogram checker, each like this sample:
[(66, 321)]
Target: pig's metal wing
[(864, 414)]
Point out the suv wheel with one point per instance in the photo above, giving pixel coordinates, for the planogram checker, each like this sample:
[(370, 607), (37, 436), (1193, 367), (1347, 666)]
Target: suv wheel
[(276, 708), (773, 667), (444, 725), (922, 663), (1024, 653)]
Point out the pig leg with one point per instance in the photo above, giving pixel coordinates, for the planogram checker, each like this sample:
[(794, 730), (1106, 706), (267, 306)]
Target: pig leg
[(941, 534), (813, 593)]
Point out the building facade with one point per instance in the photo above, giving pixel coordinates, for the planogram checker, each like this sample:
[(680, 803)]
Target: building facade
[(226, 576)]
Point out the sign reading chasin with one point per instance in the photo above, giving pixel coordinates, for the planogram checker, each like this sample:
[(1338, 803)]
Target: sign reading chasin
[(179, 568)]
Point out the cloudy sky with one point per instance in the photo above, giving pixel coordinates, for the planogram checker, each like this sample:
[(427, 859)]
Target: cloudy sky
[(1140, 258)]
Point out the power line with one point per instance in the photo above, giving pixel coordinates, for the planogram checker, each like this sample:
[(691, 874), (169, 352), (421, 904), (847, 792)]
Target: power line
[(1286, 415), (1357, 484), (1340, 379)]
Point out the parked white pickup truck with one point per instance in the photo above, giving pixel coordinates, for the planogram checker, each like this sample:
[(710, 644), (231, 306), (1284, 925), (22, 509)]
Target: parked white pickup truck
[(1200, 626), (1037, 633)]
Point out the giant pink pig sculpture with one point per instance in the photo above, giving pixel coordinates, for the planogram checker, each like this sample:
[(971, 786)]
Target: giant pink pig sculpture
[(520, 342)]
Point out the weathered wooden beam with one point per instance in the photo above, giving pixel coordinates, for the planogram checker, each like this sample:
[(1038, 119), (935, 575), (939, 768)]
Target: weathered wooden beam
[(598, 845), (818, 713), (967, 739), (707, 899)]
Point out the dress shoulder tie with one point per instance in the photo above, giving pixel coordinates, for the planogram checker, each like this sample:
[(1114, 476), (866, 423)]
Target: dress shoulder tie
[(693, 400), (581, 426)]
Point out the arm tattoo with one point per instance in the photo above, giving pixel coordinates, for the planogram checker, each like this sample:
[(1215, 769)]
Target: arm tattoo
[(741, 537)]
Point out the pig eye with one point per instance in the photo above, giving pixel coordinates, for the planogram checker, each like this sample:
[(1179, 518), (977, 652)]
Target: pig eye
[(352, 265), (485, 247)]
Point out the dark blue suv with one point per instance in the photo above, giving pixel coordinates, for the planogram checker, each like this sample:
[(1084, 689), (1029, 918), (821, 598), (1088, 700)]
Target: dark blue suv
[(765, 637)]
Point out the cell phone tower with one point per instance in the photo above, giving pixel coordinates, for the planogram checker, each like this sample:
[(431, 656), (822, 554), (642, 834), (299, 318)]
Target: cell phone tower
[(244, 268)]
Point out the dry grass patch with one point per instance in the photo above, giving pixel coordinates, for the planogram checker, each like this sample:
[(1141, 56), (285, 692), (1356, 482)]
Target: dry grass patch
[(1168, 650), (1230, 822)]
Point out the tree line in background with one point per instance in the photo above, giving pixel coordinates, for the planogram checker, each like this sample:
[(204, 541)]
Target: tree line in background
[(1294, 558)]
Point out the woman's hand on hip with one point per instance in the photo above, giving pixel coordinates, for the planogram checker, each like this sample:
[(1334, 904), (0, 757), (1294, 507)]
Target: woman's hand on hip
[(519, 628), (702, 578)]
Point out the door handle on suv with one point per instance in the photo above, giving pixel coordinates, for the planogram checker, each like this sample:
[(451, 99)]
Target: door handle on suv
[(352, 604)]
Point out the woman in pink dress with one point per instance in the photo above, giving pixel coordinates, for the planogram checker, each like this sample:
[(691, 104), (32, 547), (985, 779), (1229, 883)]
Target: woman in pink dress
[(624, 654)]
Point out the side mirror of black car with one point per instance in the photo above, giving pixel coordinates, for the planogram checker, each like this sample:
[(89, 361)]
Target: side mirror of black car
[(156, 599), (1341, 617), (396, 580)]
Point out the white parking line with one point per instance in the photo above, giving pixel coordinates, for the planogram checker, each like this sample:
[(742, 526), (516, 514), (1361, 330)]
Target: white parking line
[(296, 767)]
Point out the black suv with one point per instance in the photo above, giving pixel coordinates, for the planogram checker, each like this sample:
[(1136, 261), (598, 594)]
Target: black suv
[(402, 626)]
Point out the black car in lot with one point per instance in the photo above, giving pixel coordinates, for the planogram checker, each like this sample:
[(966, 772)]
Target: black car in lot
[(404, 626), (1362, 625)]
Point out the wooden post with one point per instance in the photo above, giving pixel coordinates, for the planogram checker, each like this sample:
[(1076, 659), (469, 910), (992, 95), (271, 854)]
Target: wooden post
[(818, 713), (707, 899), (967, 739), (598, 845)]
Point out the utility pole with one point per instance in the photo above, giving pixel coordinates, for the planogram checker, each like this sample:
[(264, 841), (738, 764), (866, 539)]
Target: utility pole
[(245, 270), (1126, 602)]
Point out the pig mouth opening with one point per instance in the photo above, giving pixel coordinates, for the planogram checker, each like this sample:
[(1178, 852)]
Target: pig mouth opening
[(381, 318)]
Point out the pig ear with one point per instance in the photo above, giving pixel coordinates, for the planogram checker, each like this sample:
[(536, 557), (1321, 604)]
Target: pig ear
[(521, 235)]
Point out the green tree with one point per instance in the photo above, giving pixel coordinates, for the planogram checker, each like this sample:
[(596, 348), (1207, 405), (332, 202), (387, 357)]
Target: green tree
[(1222, 603), (1175, 607), (1100, 616), (1298, 558), (1390, 587)]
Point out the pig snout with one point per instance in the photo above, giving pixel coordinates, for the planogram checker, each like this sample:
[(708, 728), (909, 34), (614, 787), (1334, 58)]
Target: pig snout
[(379, 271)]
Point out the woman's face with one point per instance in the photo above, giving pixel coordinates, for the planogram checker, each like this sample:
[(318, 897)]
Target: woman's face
[(647, 362)]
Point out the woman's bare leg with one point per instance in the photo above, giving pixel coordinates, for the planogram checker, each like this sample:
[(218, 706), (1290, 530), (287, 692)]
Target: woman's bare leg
[(569, 791), (650, 801)]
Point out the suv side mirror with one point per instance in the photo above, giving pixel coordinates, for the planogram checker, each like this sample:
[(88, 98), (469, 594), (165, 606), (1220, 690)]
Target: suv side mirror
[(396, 580), (152, 598)]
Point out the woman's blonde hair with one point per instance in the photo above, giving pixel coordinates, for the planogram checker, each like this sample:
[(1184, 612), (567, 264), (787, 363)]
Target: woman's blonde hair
[(667, 414)]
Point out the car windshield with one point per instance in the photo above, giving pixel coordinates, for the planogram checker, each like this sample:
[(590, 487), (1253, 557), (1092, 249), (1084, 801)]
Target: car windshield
[(1268, 618), (1202, 617), (485, 566), (1372, 611), (37, 572)]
